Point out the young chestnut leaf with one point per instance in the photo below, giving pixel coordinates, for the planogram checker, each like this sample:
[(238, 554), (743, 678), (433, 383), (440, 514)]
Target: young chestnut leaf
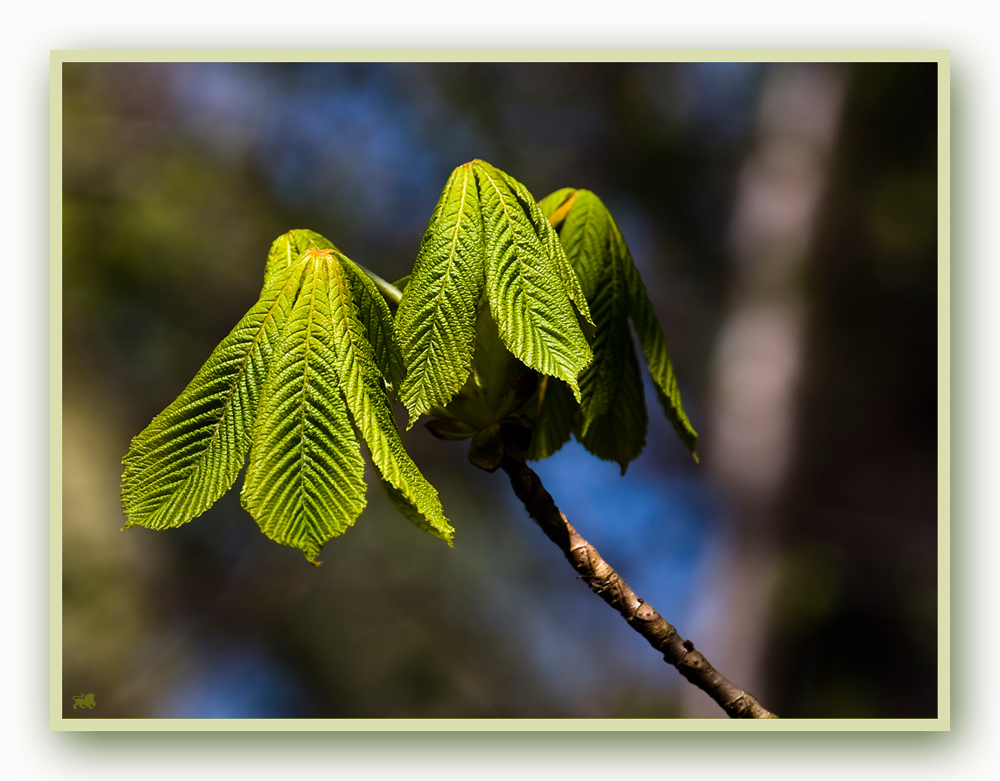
[(610, 419), (487, 243), (192, 452), (302, 371)]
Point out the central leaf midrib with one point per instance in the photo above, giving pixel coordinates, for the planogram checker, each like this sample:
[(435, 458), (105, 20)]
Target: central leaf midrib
[(315, 268)]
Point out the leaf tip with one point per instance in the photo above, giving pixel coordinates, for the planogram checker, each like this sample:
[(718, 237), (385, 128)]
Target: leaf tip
[(575, 387)]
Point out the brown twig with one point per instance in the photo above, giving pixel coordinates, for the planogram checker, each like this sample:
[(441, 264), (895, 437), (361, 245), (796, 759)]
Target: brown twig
[(609, 586)]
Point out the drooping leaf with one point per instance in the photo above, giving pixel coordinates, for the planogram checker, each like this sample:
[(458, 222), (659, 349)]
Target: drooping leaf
[(585, 230), (528, 297), (193, 451), (488, 244), (555, 418), (305, 482), (288, 249), (601, 260), (436, 319), (361, 383), (654, 347), (553, 245), (302, 371), (408, 508), (586, 233), (374, 314), (619, 433)]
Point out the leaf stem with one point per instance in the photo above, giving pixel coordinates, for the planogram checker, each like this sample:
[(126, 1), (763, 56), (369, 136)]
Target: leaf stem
[(609, 586), (391, 293)]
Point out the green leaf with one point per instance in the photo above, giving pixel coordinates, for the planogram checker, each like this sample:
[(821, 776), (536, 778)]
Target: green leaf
[(361, 383), (409, 509), (586, 233), (550, 239), (305, 482), (556, 205), (436, 319), (601, 260), (193, 451), (487, 234), (301, 372), (555, 415), (373, 311), (654, 346), (527, 293), (619, 434), (287, 248)]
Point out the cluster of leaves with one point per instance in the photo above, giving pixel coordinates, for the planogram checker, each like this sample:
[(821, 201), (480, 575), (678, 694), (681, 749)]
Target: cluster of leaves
[(513, 308), (610, 419), (305, 367), (488, 238)]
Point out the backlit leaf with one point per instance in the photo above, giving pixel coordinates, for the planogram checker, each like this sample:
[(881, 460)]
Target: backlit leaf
[(527, 295), (436, 319), (305, 482), (288, 248), (373, 313), (301, 373), (193, 451), (587, 233), (550, 239), (361, 384), (488, 243)]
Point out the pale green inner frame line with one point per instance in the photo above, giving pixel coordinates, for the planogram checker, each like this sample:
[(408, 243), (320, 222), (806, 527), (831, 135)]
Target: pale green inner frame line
[(943, 722)]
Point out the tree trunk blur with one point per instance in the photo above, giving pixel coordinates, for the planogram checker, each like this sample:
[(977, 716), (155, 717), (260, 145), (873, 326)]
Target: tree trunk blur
[(759, 355)]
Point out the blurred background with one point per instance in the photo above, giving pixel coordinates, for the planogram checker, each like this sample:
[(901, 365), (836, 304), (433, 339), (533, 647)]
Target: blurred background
[(784, 220)]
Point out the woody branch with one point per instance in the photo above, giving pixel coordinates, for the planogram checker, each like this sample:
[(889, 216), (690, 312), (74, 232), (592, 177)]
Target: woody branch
[(609, 586)]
